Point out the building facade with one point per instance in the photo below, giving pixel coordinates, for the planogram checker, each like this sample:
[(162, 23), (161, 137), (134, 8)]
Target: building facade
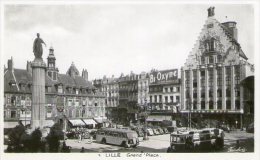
[(212, 74), (69, 97), (143, 88), (164, 96)]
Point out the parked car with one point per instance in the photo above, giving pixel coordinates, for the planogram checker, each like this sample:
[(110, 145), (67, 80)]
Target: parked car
[(165, 130), (150, 132), (155, 131), (250, 128), (160, 130)]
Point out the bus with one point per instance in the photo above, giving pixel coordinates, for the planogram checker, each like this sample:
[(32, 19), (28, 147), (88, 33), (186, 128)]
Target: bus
[(196, 140), (122, 137)]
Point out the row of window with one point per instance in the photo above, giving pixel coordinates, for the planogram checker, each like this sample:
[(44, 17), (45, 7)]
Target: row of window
[(219, 93), (72, 90), (167, 99), (218, 103)]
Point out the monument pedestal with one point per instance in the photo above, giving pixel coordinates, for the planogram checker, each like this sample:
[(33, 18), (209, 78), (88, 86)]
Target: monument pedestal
[(38, 94)]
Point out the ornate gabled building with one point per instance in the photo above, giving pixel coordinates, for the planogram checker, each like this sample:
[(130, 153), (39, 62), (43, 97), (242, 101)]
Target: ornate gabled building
[(212, 74), (69, 96)]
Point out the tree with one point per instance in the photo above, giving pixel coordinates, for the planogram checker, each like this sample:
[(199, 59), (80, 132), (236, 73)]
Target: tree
[(53, 137)]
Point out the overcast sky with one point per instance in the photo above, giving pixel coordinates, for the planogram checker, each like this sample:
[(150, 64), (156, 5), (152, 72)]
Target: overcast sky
[(109, 39)]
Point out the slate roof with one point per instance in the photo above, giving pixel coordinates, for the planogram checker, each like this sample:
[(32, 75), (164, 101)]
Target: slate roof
[(22, 77), (230, 35)]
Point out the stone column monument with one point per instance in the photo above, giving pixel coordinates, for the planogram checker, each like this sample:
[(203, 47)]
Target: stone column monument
[(38, 87)]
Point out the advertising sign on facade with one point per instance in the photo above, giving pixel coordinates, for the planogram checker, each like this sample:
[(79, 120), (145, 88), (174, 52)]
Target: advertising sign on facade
[(163, 76)]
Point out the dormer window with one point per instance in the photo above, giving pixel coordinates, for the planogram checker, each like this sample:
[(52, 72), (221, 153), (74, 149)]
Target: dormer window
[(60, 90)]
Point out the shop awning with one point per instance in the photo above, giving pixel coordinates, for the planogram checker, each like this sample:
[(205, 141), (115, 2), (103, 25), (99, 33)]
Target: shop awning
[(10, 124), (101, 119), (158, 118), (77, 122), (89, 121)]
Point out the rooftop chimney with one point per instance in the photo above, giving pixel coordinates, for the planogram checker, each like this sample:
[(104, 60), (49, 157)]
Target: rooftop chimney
[(10, 64), (85, 74)]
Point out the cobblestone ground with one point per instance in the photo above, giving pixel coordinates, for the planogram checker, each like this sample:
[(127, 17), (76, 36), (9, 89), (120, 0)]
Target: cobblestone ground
[(160, 143)]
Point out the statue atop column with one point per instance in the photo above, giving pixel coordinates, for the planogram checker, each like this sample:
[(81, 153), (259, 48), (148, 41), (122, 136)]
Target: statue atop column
[(37, 47), (211, 12)]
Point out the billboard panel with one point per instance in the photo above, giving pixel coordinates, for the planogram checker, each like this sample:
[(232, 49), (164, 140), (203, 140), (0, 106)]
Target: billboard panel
[(163, 76)]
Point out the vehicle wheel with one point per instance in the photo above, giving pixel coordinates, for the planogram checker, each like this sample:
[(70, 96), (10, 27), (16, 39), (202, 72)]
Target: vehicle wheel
[(124, 144), (103, 141)]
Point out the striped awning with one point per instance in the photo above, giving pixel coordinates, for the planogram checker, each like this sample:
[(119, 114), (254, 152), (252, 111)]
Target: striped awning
[(89, 121), (77, 122), (101, 120)]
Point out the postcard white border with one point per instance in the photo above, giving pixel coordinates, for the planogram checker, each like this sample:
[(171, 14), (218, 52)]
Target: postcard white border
[(181, 156)]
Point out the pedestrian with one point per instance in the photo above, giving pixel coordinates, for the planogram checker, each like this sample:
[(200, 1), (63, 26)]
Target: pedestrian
[(82, 150), (91, 139), (80, 137)]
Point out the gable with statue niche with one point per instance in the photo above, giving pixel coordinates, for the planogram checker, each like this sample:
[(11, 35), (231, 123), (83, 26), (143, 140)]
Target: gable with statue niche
[(212, 31)]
